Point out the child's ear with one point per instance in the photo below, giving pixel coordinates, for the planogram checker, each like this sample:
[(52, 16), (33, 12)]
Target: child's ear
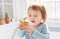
[(42, 21)]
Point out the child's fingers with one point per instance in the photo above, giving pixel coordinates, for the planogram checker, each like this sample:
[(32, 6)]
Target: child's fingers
[(30, 29), (23, 27), (26, 27), (20, 21)]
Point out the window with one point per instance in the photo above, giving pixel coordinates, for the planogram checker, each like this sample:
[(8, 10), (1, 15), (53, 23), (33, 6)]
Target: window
[(6, 6), (52, 9)]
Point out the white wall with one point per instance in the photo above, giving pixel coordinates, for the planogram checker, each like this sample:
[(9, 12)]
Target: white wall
[(19, 8)]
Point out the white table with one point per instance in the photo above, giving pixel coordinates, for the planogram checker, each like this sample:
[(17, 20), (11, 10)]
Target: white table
[(7, 30)]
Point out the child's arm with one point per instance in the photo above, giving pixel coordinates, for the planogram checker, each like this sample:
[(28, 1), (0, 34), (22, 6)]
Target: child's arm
[(21, 30), (43, 35), (20, 33)]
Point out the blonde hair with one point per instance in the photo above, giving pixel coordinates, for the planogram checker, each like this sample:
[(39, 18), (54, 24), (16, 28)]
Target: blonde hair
[(41, 9)]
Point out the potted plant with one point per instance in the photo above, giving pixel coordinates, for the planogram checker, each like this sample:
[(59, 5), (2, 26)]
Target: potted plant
[(23, 22), (1, 21), (7, 18)]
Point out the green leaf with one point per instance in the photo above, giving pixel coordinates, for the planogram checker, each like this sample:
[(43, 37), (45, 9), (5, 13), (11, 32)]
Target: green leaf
[(24, 19), (6, 14), (0, 18)]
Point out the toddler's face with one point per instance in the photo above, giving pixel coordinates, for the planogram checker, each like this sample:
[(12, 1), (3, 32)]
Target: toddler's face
[(34, 17)]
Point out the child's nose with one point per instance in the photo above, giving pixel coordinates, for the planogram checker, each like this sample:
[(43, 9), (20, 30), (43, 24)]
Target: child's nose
[(32, 18)]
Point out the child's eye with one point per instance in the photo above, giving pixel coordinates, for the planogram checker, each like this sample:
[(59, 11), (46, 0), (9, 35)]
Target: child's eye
[(35, 15), (29, 15)]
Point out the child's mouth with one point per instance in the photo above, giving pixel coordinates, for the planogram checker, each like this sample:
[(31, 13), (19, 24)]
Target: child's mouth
[(33, 21)]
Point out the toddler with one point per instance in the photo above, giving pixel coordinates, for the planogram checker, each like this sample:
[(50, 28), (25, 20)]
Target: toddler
[(37, 29)]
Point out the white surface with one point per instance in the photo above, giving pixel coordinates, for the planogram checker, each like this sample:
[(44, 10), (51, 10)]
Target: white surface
[(19, 7), (55, 35), (7, 30)]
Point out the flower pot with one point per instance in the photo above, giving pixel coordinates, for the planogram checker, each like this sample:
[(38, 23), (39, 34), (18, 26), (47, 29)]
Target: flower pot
[(7, 20), (1, 22), (24, 24)]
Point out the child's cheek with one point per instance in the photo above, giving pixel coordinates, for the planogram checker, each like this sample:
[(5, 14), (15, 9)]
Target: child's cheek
[(29, 19)]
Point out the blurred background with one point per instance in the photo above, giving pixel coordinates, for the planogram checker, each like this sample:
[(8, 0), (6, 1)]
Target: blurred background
[(18, 9)]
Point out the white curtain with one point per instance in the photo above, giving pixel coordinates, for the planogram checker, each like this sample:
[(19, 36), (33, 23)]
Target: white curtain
[(19, 9)]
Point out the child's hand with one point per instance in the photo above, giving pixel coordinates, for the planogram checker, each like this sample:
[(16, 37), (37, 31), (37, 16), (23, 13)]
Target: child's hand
[(30, 30), (23, 26)]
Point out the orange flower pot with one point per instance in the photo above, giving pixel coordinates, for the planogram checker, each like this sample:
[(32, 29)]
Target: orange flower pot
[(1, 22), (24, 24), (7, 20)]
